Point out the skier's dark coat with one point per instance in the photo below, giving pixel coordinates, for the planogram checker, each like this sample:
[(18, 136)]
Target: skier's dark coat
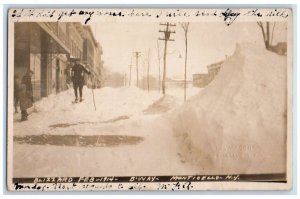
[(78, 74)]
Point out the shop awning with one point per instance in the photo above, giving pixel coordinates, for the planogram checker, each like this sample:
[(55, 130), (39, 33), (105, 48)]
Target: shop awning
[(55, 44)]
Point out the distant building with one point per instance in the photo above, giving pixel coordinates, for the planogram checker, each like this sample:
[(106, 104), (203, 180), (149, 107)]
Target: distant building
[(203, 79), (176, 83), (99, 65)]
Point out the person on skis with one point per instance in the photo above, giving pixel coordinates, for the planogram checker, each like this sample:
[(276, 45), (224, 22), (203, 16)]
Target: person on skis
[(77, 74)]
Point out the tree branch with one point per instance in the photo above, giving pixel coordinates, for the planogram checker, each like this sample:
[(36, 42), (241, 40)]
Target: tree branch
[(272, 33), (263, 32)]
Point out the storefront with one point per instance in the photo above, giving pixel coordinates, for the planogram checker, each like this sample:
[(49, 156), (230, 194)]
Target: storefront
[(43, 49)]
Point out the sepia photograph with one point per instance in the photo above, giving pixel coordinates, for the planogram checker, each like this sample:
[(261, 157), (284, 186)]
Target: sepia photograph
[(149, 99)]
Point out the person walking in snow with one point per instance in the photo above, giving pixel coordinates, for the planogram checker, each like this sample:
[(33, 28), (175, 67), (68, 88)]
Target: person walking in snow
[(77, 74), (17, 84), (26, 80), (25, 93)]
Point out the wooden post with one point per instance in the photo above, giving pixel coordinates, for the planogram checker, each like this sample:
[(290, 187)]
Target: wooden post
[(185, 27), (167, 34)]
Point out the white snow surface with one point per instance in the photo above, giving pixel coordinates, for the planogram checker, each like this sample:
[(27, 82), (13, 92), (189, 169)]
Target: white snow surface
[(119, 111), (237, 124)]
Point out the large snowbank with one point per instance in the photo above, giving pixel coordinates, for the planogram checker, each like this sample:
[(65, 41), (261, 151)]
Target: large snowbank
[(237, 124)]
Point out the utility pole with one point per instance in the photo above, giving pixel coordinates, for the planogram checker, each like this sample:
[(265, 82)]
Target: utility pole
[(126, 78), (143, 75), (148, 61), (167, 32), (130, 67), (185, 27), (158, 56), (137, 55)]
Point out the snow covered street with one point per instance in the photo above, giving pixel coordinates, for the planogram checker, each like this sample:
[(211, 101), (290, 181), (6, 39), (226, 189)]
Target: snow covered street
[(127, 134), (136, 132)]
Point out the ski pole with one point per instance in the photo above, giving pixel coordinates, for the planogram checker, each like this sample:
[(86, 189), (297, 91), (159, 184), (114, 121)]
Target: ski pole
[(94, 98), (93, 95)]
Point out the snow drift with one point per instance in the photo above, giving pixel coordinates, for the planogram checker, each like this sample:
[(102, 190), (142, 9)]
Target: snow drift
[(237, 124), (112, 104)]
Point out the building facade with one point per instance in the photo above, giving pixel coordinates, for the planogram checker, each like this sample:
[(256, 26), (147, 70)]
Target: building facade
[(92, 52), (99, 65), (76, 36), (46, 48), (43, 49)]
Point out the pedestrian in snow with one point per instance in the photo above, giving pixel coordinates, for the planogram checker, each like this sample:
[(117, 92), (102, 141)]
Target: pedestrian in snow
[(26, 95), (27, 81), (77, 72), (17, 84)]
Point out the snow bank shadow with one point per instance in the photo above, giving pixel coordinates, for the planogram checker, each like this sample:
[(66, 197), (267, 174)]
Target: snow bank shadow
[(113, 120), (62, 125), (79, 141)]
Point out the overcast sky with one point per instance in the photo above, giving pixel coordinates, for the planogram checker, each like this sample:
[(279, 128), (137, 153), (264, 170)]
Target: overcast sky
[(207, 43)]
